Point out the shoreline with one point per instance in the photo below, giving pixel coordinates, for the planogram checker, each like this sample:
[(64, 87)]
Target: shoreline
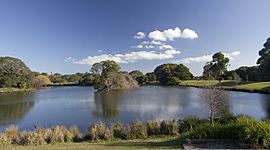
[(228, 85), (11, 90)]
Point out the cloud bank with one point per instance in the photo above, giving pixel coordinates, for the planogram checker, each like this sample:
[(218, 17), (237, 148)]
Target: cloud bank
[(206, 58), (156, 42), (171, 34), (129, 57)]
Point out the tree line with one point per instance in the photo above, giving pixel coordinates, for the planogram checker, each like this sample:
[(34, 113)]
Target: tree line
[(14, 73)]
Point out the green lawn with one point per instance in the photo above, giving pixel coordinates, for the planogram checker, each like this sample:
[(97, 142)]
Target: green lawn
[(151, 143), (233, 85)]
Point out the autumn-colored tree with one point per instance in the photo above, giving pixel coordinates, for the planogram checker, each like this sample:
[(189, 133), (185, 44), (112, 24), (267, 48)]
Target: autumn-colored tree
[(41, 80)]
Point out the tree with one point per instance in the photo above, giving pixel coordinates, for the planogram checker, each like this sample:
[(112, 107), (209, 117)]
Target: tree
[(108, 77), (215, 68), (174, 81), (165, 72), (182, 72), (41, 80), (213, 102), (250, 73), (151, 76), (231, 75), (14, 73), (116, 81), (57, 78), (88, 79), (136, 73), (105, 67), (264, 60), (142, 79)]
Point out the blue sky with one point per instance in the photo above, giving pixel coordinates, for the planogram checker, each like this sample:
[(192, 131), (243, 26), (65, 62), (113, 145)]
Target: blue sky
[(67, 36)]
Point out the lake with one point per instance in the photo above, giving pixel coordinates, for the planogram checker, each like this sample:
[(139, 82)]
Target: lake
[(82, 105)]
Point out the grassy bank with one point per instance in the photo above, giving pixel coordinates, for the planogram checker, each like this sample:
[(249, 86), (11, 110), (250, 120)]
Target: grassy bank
[(260, 87), (150, 143), (167, 134), (7, 90)]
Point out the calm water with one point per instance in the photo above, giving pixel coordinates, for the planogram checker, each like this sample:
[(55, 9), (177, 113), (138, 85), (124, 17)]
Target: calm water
[(82, 105)]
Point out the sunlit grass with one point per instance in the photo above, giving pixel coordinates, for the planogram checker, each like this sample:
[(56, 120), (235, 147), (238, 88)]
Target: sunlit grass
[(230, 84), (150, 143)]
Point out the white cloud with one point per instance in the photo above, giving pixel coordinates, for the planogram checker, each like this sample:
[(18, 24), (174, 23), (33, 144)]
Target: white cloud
[(206, 58), (143, 46), (129, 57), (187, 33), (153, 44), (157, 35), (69, 59), (156, 43), (165, 46), (100, 51), (235, 53), (171, 34), (139, 35)]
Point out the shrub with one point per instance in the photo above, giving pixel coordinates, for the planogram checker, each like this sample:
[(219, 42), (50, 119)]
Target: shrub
[(4, 140), (31, 138), (58, 134), (218, 131), (98, 132), (168, 127), (227, 118), (75, 134), (137, 130), (153, 127), (13, 134), (189, 123), (119, 131), (256, 132)]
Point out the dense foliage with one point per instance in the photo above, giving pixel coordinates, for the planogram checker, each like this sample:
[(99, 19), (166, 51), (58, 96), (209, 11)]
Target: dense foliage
[(14, 73), (41, 80), (216, 68), (108, 77), (166, 72), (264, 60)]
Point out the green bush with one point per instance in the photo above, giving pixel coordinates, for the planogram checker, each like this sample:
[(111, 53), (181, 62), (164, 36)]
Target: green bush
[(119, 131), (169, 127), (174, 81), (153, 127), (227, 118), (256, 132), (218, 131), (189, 123), (137, 130), (98, 132)]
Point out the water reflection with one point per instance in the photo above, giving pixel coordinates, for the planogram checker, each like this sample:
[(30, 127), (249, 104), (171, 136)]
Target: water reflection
[(266, 105), (107, 104), (71, 105), (13, 107)]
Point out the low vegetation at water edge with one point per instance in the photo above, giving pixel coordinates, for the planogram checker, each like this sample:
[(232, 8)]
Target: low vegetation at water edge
[(240, 128)]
